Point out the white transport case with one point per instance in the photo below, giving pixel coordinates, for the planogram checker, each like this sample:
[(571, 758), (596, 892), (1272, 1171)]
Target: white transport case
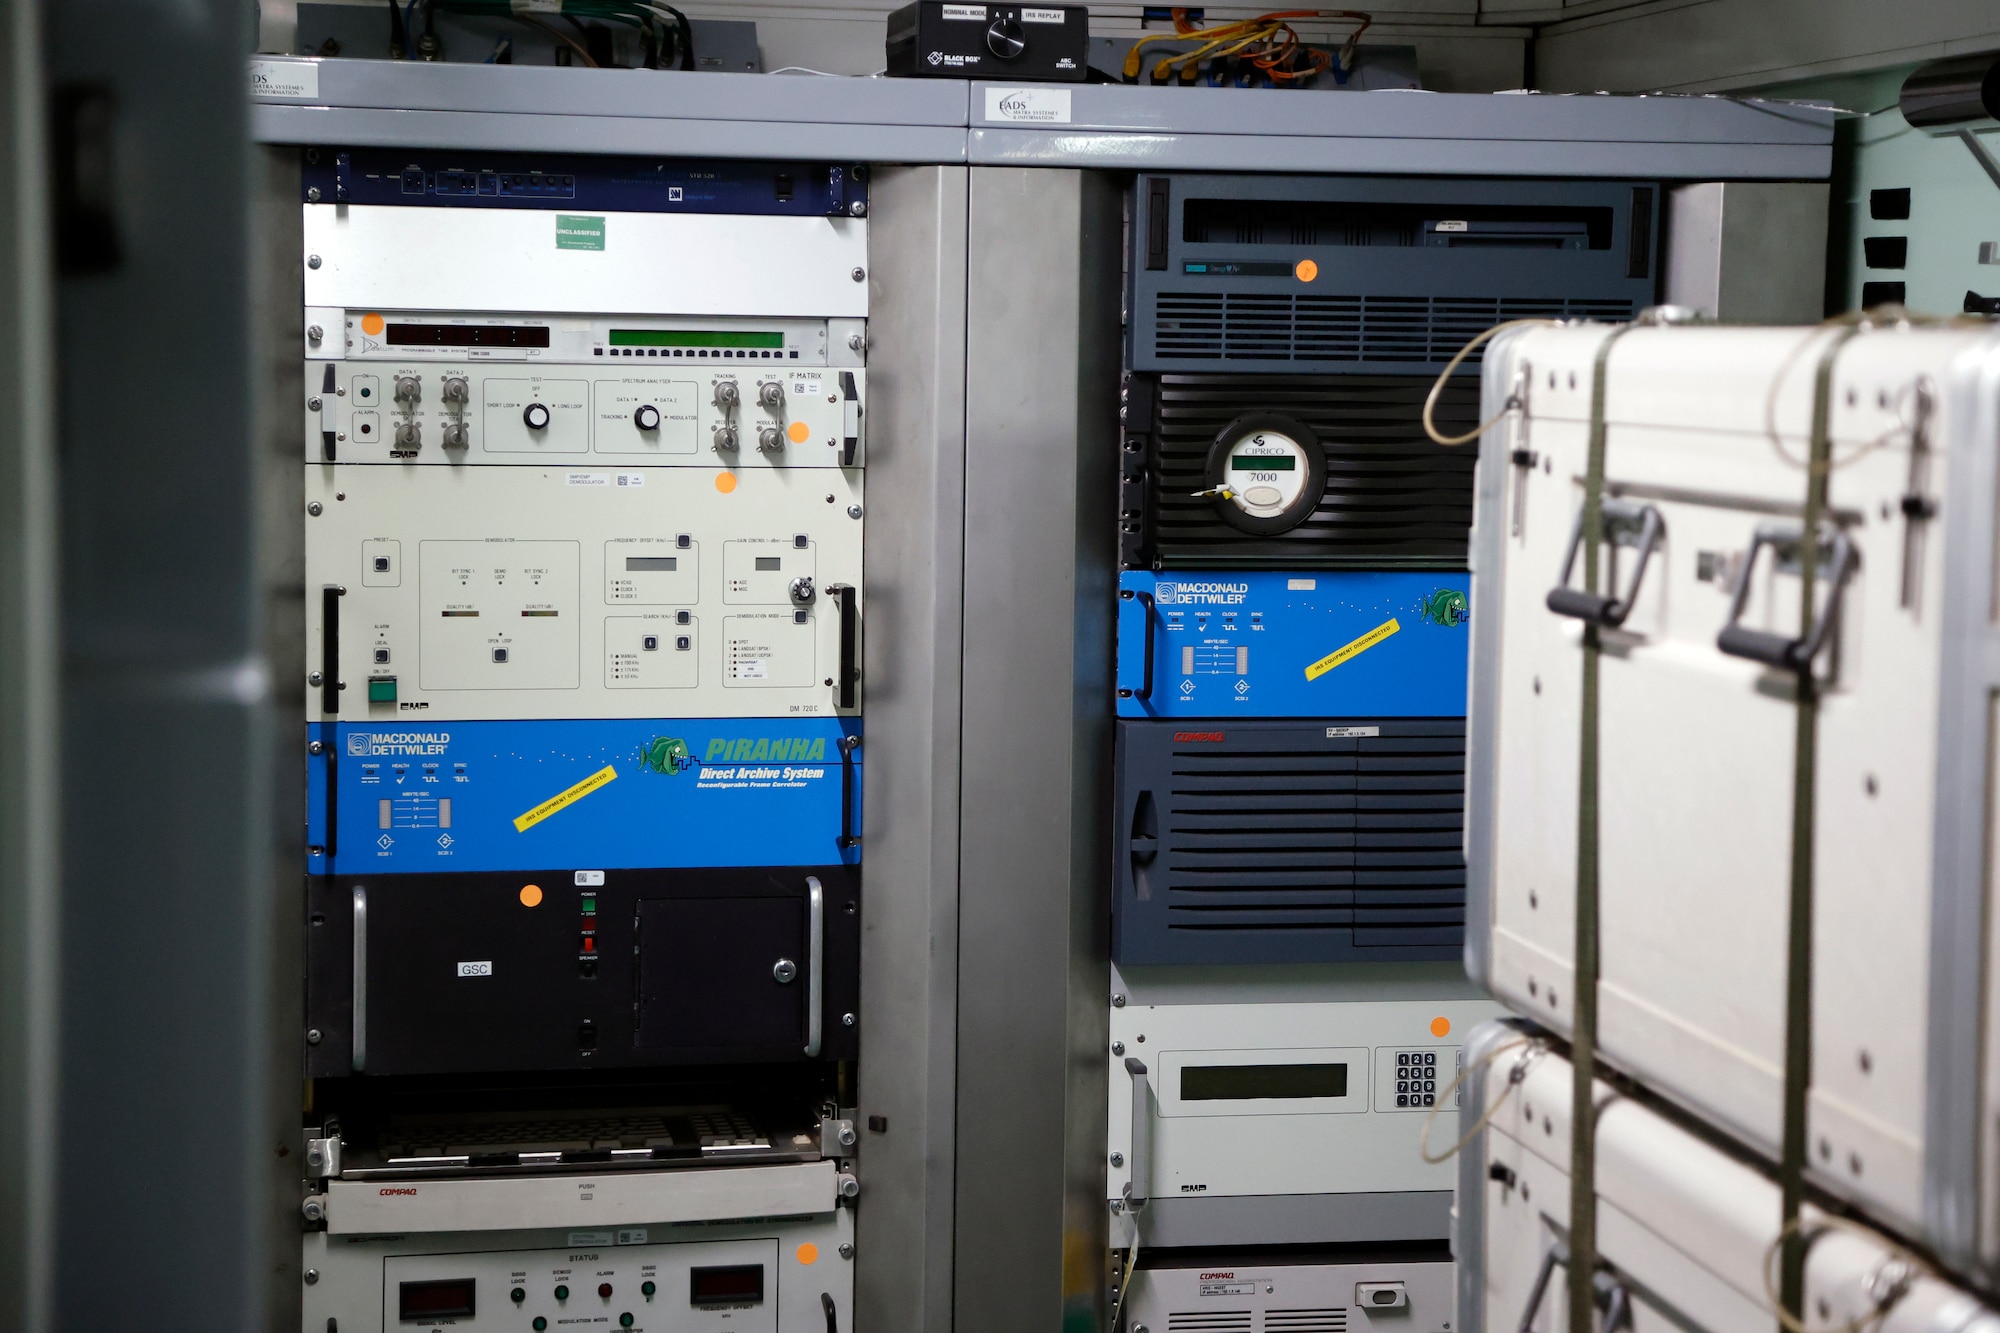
[(1685, 1231), (1707, 432)]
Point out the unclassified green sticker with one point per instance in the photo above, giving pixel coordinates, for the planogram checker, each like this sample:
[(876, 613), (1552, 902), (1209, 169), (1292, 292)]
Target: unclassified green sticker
[(579, 233)]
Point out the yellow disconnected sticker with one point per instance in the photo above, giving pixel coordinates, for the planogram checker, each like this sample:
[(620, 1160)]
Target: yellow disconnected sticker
[(1353, 649), (564, 799)]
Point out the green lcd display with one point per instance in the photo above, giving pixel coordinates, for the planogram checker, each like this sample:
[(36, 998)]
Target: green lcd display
[(1264, 462), (694, 338)]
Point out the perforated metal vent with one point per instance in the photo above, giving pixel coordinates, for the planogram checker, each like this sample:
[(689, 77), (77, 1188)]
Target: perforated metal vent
[(1280, 843), (1337, 332), (1209, 1321), (1305, 1321), (1394, 499)]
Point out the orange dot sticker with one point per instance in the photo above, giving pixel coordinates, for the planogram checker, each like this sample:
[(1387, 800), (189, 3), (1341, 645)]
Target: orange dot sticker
[(531, 895), (808, 1253), (1440, 1026), (1305, 270), (798, 430), (725, 482), (372, 324)]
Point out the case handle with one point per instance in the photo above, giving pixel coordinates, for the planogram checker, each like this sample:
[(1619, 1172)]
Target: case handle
[(1556, 1254), (850, 419), (1144, 601), (1139, 1187), (329, 648), (328, 426), (848, 837), (1782, 650), (815, 958), (1620, 518), (850, 670), (359, 1006)]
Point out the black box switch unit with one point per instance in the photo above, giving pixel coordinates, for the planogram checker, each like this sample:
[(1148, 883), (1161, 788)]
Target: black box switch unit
[(932, 39)]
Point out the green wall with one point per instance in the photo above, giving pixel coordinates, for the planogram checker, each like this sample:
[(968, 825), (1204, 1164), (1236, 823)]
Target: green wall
[(1954, 203)]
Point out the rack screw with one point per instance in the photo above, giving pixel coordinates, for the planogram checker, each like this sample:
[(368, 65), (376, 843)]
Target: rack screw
[(312, 261), (312, 1036), (858, 274), (311, 1276), (315, 509)]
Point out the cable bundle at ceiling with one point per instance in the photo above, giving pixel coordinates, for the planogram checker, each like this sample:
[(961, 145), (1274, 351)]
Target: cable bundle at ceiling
[(1241, 52)]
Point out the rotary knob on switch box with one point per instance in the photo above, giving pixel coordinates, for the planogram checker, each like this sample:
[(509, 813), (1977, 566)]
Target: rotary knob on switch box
[(647, 417), (1004, 38), (536, 416)]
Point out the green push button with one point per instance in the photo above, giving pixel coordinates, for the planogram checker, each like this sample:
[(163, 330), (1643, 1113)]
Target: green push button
[(381, 689)]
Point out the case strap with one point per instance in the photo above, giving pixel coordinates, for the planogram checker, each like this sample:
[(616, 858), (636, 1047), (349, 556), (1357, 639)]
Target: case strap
[(1582, 1272), (1799, 909)]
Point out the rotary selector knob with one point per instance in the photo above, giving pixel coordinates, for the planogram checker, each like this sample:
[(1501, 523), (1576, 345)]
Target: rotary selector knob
[(771, 396), (802, 589), (456, 389), (1004, 39), (536, 416), (770, 440), (409, 388), (726, 395), (647, 417), (725, 437)]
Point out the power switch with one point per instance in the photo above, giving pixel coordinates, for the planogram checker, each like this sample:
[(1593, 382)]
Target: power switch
[(381, 689)]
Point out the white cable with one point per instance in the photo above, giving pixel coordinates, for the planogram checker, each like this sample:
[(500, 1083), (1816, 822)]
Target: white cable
[(1430, 400), (1131, 1260), (801, 69)]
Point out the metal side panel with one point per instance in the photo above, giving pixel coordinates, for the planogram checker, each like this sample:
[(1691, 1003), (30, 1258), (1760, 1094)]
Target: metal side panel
[(412, 104), (1468, 1205), (1452, 134), (909, 947), (1487, 556), (1041, 446), (30, 663), (365, 1207), (161, 1015), (1959, 1199)]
